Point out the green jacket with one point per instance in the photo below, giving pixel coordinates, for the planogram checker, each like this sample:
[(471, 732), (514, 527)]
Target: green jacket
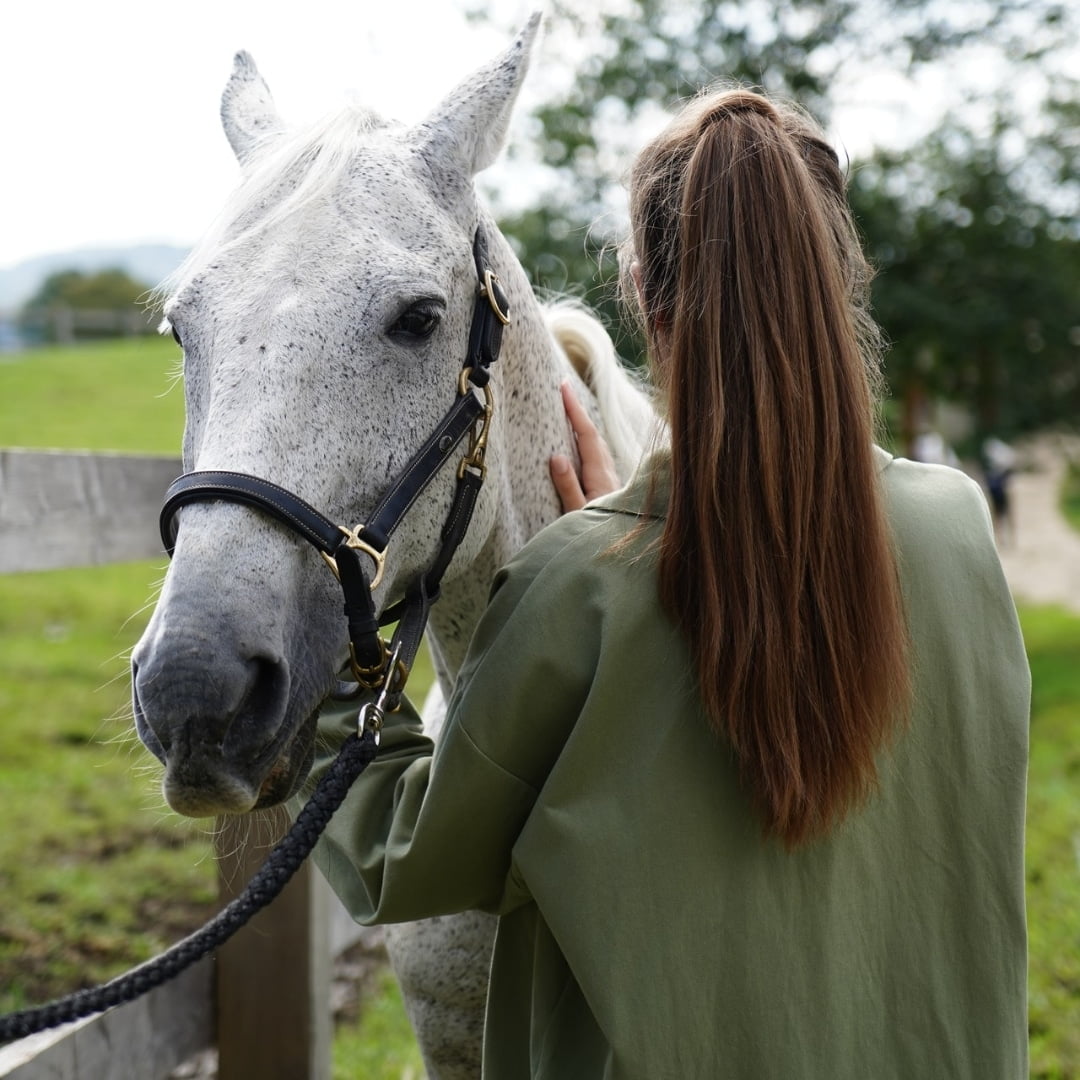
[(646, 931)]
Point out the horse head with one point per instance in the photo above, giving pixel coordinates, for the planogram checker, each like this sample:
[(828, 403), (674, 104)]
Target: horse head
[(323, 321)]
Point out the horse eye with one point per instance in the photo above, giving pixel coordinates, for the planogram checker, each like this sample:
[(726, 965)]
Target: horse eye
[(417, 321)]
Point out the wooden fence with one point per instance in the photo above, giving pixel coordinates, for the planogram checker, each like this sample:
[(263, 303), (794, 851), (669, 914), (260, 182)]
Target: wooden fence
[(64, 324), (264, 998)]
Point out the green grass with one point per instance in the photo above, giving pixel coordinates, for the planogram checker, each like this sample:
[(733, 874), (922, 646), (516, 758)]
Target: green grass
[(96, 873), (1053, 843), (379, 1043), (113, 395)]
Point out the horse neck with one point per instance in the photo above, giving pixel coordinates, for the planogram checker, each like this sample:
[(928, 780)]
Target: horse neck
[(529, 427)]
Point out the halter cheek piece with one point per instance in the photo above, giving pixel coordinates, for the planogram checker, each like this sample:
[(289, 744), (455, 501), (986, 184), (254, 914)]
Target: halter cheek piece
[(374, 664)]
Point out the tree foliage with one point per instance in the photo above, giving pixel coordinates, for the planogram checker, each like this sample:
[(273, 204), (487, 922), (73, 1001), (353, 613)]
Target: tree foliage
[(975, 230), (99, 290), (979, 282), (102, 303)]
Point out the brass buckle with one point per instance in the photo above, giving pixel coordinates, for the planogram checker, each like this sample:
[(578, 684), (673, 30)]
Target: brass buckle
[(353, 541), (370, 678), (487, 290), (377, 676)]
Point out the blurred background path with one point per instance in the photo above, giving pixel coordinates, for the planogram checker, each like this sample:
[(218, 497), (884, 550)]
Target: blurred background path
[(1042, 557)]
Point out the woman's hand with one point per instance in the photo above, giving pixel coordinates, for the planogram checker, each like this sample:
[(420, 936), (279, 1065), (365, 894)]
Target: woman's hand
[(598, 476)]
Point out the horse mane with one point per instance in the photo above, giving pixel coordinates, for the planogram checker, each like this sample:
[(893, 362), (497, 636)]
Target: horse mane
[(312, 159), (628, 419)]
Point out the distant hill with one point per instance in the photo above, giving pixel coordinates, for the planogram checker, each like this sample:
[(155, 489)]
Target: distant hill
[(145, 262)]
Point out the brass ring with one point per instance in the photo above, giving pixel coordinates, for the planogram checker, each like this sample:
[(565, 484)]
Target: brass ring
[(353, 541), (487, 290)]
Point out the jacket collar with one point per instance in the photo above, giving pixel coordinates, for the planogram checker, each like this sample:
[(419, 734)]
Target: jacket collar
[(648, 491)]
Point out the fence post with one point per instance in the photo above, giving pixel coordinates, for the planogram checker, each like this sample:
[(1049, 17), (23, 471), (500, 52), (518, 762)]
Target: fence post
[(63, 320), (273, 982)]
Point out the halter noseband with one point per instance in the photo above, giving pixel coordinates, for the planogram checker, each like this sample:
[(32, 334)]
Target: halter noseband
[(341, 547)]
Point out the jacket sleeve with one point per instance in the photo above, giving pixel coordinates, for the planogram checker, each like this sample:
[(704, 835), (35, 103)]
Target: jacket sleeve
[(428, 831)]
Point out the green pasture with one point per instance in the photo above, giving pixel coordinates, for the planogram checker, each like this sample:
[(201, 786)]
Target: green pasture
[(96, 873), (113, 395)]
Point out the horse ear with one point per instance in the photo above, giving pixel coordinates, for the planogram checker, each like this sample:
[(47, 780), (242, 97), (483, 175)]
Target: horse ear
[(248, 113), (468, 129)]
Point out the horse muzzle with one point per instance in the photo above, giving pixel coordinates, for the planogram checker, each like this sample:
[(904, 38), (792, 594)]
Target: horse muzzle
[(220, 725)]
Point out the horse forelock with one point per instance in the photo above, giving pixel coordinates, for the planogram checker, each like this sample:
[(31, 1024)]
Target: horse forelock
[(289, 174)]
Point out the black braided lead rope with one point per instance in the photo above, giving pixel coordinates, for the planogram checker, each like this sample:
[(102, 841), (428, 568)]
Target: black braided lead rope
[(282, 862)]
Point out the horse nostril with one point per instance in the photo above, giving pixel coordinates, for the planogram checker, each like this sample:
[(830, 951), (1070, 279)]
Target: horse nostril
[(257, 722), (157, 742)]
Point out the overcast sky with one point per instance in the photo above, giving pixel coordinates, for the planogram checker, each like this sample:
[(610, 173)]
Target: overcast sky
[(109, 130), (110, 133)]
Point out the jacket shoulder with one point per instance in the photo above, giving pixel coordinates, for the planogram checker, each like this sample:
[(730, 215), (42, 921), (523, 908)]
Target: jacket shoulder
[(935, 501), (562, 553)]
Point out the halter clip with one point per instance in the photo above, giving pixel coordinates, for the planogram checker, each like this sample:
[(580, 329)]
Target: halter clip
[(372, 715), (478, 436)]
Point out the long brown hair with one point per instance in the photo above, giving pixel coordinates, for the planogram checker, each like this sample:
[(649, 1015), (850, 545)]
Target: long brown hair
[(776, 560)]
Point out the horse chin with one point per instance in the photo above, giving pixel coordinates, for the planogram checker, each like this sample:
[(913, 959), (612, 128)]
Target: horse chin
[(203, 783), (291, 768)]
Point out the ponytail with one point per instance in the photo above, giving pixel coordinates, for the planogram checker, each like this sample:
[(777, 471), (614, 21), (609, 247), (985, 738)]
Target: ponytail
[(775, 561)]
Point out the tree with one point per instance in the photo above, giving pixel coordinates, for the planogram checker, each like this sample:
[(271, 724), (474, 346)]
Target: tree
[(977, 246), (73, 302), (978, 284)]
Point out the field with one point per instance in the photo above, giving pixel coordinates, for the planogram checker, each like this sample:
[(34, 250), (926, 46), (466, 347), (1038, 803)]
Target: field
[(96, 873)]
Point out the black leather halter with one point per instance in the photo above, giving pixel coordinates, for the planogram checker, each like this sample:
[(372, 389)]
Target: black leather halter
[(341, 547)]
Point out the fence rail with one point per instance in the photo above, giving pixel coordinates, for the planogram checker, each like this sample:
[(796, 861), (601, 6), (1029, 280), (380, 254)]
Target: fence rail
[(65, 324), (59, 509), (143, 1040), (264, 999)]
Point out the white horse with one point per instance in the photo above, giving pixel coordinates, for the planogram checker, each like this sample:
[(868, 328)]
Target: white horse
[(323, 321)]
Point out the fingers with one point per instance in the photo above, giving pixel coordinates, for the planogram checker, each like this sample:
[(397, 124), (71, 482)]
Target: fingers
[(581, 424), (598, 475), (566, 484)]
